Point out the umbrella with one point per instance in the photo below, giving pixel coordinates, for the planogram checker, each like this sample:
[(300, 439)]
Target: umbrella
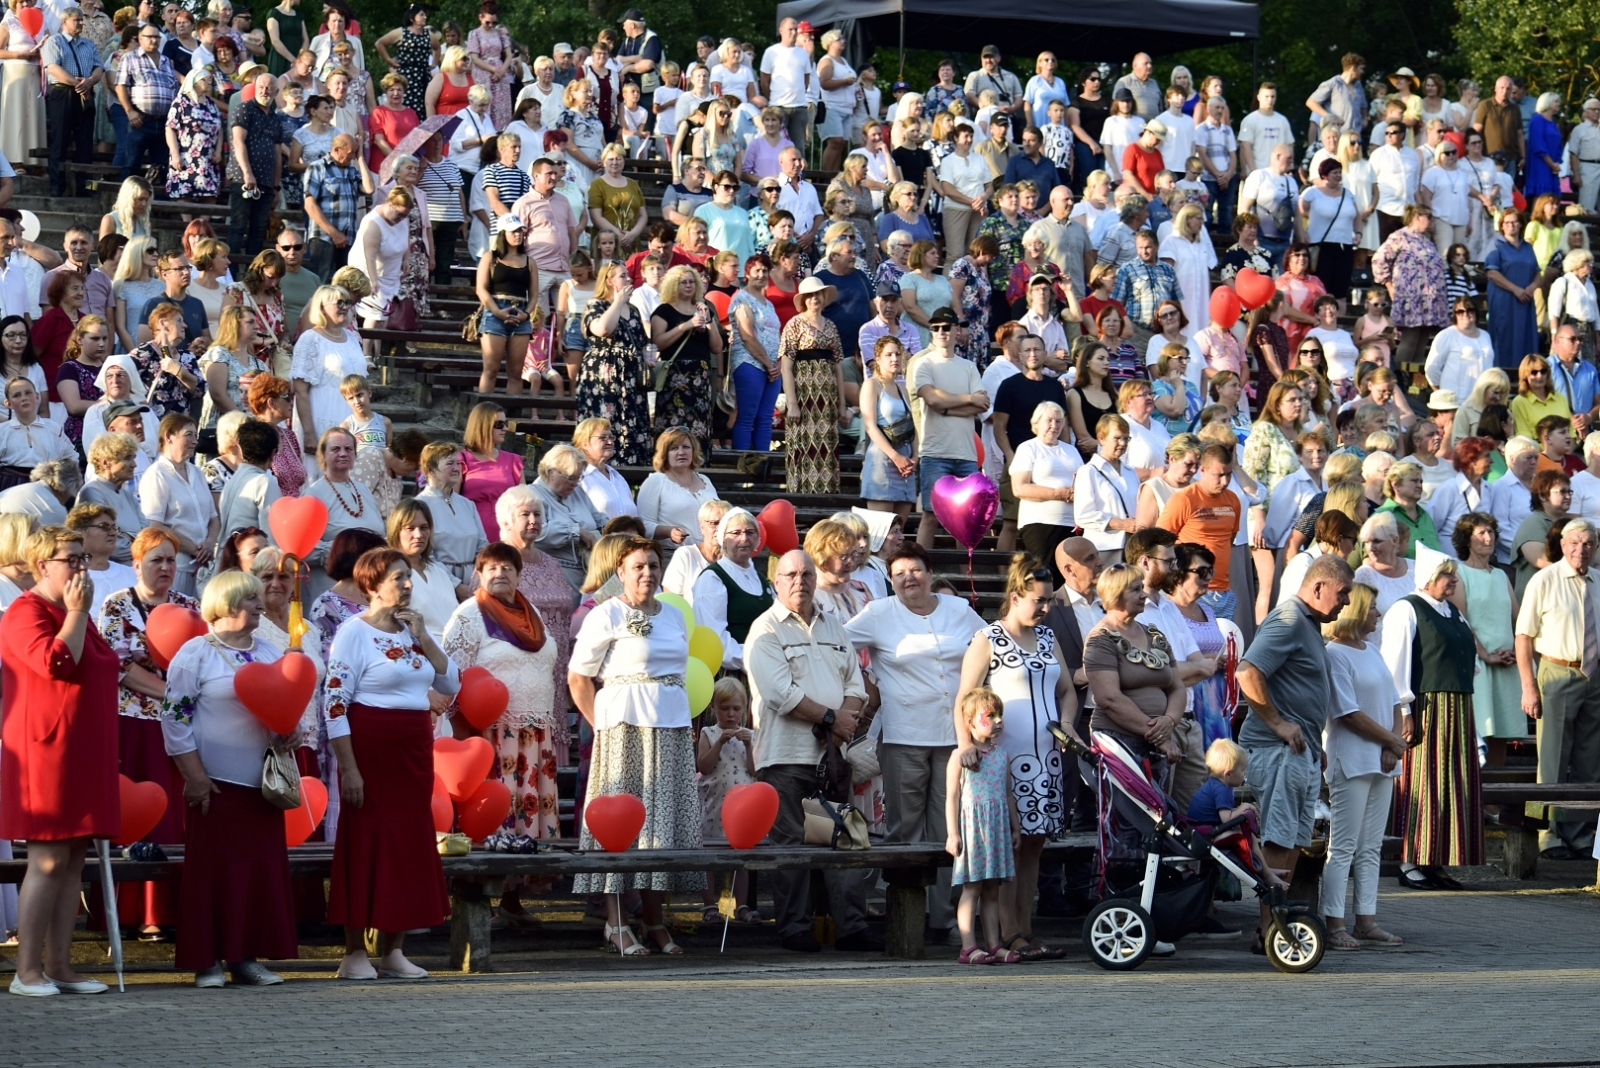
[(113, 924), (411, 144)]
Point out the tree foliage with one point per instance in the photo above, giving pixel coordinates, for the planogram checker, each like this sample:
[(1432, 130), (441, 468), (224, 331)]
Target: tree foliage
[(1556, 46)]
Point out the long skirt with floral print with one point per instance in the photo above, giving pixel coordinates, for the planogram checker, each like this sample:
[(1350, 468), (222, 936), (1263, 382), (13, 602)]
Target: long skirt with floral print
[(611, 385), (528, 768), (686, 401), (414, 279)]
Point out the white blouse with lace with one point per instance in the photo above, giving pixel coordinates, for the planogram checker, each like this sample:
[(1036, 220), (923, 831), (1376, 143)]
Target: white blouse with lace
[(529, 676)]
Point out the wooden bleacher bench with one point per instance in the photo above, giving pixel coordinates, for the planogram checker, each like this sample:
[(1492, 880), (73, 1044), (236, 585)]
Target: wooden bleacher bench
[(908, 868), (1527, 808)]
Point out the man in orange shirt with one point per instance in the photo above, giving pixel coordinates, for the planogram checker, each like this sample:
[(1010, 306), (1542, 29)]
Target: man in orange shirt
[(1142, 160), (1207, 512)]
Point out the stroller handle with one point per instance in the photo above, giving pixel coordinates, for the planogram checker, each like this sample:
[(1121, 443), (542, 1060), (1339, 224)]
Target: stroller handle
[(1071, 743)]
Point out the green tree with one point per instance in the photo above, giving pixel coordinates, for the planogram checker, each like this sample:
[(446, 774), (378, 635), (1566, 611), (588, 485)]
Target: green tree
[(1555, 46)]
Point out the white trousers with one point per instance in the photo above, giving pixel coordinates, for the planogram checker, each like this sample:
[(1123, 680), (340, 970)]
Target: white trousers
[(1355, 840)]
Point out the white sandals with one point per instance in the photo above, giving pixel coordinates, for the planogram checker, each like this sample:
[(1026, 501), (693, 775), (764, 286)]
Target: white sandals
[(632, 948)]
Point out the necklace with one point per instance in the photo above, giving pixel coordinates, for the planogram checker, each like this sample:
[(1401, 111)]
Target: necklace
[(361, 505)]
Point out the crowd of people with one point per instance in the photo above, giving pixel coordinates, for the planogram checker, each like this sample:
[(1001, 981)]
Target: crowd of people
[(1333, 503)]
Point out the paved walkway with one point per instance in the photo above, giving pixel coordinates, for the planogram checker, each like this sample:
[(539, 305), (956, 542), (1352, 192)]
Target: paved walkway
[(1499, 976)]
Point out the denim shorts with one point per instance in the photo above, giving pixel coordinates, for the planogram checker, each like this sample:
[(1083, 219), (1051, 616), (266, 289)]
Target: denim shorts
[(491, 324), (933, 468), (1286, 786), (572, 335)]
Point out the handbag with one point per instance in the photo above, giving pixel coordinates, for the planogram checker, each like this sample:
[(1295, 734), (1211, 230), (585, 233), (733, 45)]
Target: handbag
[(659, 373), (727, 400), (402, 314), (280, 777), (835, 825), (471, 327), (862, 753), (1316, 246), (1282, 213), (833, 770)]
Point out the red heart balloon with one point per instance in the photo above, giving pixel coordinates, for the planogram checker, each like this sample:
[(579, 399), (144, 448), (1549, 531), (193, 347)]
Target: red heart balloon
[(297, 524), (143, 805), (444, 814), (748, 812), (1224, 307), (1254, 288), (32, 19), (777, 527), (483, 698), (298, 823), (277, 693), (462, 764), (481, 815), (615, 820), (977, 443), (168, 627)]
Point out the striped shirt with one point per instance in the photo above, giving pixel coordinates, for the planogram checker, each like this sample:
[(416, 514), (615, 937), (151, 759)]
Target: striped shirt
[(442, 182)]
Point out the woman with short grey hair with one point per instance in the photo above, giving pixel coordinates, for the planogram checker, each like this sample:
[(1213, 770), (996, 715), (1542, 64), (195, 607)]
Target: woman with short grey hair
[(1571, 300), (571, 525)]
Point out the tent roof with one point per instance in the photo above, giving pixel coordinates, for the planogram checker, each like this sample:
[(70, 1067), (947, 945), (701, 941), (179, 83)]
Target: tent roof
[(1075, 29)]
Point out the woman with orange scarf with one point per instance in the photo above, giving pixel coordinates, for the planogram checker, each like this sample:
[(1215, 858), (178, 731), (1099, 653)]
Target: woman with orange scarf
[(498, 629)]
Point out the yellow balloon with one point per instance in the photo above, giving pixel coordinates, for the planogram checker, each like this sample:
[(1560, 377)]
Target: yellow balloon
[(698, 678), (706, 647), (682, 606)]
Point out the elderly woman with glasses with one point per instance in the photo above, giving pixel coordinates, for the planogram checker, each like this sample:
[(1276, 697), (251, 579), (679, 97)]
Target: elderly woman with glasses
[(571, 526), (729, 595), (59, 761)]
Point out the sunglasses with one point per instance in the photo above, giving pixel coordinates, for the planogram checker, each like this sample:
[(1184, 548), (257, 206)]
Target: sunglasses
[(1311, 351), (342, 305), (1203, 572), (292, 248), (940, 328), (500, 424), (725, 185)]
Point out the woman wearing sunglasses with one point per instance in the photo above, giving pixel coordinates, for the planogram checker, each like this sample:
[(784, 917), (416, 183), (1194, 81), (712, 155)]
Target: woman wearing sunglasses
[(323, 356)]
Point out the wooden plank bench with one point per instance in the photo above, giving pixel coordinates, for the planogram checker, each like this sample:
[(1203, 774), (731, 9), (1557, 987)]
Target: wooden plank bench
[(1526, 808), (908, 868)]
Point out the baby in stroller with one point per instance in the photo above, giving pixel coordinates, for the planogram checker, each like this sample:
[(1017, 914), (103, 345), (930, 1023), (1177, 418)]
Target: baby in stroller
[(1215, 804)]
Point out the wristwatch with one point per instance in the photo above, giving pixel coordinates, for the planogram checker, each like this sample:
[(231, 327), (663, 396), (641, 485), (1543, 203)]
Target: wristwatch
[(828, 717)]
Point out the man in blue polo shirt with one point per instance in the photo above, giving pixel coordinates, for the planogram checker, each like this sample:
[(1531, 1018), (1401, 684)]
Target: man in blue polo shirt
[(1033, 165), (175, 272), (72, 68)]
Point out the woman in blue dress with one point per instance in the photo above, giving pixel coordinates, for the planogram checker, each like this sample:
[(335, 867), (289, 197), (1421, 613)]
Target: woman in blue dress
[(1544, 149), (1513, 273)]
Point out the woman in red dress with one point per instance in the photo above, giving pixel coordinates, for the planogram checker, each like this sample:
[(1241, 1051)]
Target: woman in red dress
[(58, 768)]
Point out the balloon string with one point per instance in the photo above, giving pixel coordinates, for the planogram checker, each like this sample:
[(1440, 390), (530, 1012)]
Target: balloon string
[(972, 584)]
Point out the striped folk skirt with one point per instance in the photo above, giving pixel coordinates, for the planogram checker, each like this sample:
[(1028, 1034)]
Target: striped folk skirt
[(1439, 812), (656, 765)]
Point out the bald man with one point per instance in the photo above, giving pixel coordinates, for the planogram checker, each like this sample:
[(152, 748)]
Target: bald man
[(334, 186), (1147, 96)]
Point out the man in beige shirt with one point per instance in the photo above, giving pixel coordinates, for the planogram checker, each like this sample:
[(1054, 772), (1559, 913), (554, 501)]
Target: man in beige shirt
[(805, 680), (1557, 622)]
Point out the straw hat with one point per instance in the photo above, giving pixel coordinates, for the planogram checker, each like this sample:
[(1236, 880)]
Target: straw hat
[(1403, 72), (816, 285)]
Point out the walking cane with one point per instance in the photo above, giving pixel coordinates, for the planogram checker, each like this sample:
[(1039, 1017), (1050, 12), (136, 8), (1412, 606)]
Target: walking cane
[(113, 924)]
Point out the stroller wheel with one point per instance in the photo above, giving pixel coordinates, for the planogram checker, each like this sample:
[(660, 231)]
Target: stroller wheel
[(1297, 943), (1119, 934)]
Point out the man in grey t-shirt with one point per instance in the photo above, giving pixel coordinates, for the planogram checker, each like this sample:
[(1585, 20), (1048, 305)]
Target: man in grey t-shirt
[(1284, 677)]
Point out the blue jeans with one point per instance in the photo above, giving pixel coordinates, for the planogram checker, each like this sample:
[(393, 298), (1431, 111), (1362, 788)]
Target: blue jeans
[(932, 468), (1223, 202), (752, 424), (119, 125), (136, 143), (1275, 247)]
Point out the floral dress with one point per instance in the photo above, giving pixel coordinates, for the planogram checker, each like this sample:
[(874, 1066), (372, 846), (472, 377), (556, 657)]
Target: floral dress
[(122, 623), (985, 822), (197, 124), (413, 57), (84, 375), (584, 133), (546, 587), (327, 613), (974, 310), (414, 274), (686, 401), (288, 465), (811, 438), (1211, 709), (1268, 457), (610, 383), (492, 46), (268, 311), (732, 770), (236, 369), (167, 394), (1009, 234)]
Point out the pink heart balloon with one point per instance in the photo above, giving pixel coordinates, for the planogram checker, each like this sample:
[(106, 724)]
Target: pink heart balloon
[(966, 506)]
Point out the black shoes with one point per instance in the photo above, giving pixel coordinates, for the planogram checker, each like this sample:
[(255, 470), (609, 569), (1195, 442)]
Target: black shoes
[(862, 941), (802, 943)]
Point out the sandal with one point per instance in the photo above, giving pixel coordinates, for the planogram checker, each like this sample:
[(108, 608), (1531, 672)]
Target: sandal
[(974, 955), (1378, 936), (633, 947), (1341, 939), (1048, 952), (746, 914), (1027, 954), (670, 948), (1002, 955), (710, 914)]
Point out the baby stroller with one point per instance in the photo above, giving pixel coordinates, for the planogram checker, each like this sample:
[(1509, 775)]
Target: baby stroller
[(1169, 894)]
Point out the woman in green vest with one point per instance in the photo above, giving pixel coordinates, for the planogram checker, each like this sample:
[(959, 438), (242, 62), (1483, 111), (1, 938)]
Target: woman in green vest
[(1432, 654), (731, 593)]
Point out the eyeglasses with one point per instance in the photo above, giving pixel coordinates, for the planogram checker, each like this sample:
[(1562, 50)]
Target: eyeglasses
[(1394, 133), (1041, 574), (292, 248), (75, 562), (1167, 315), (769, 189), (1537, 373), (108, 528), (1092, 78)]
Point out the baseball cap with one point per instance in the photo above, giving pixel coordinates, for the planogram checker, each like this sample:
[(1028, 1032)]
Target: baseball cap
[(989, 50), (944, 315), (1041, 280), (900, 87), (561, 48), (888, 288), (999, 118), (633, 14), (1122, 92), (509, 222), (804, 27), (117, 409)]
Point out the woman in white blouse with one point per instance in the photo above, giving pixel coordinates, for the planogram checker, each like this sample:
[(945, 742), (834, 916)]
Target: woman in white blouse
[(693, 557), (234, 835), (499, 630), (1044, 471), (323, 356), (434, 590), (386, 870), (1459, 354), (119, 380), (457, 528), (1105, 491), (638, 650), (731, 593), (670, 499), (603, 484), (174, 497), (350, 504)]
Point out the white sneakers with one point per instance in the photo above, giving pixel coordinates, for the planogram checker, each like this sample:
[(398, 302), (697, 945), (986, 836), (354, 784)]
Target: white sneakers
[(213, 978), (245, 973)]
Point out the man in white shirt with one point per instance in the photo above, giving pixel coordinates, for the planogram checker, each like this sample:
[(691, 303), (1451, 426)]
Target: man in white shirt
[(1586, 483), (51, 488), (1178, 143), (1263, 193), (786, 80), (1146, 93), (996, 79), (1397, 170), (174, 497), (26, 440), (1583, 156), (1263, 130), (946, 395), (799, 197), (20, 277), (1040, 319)]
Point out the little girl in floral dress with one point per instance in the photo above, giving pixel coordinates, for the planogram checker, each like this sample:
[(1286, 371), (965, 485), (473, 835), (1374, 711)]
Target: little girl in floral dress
[(725, 757), (981, 816)]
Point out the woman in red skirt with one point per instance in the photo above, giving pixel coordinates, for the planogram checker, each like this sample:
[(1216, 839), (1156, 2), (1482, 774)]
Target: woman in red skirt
[(238, 903), (386, 870), (58, 765)]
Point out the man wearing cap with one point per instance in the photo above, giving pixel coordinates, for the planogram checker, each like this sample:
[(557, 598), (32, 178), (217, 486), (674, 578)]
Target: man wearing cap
[(1040, 319), (1146, 93), (997, 149), (786, 78), (946, 396), (334, 187), (1031, 164), (1142, 160), (1583, 156), (145, 86), (1341, 97), (1142, 285), (1007, 89), (552, 230), (887, 323), (566, 69), (640, 56), (1263, 130)]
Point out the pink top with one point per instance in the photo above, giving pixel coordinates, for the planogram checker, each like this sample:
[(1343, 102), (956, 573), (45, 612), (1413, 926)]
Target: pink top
[(482, 483), (1221, 350)]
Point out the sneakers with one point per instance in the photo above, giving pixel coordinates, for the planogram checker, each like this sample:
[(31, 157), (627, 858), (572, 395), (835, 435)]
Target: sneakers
[(1211, 927), (1164, 949), (213, 978), (254, 973), (147, 852)]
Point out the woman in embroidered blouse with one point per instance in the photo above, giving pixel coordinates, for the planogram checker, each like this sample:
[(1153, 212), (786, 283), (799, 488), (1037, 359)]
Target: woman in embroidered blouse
[(235, 835), (271, 399), (144, 683), (644, 743), (1269, 455), (458, 531), (349, 503), (1136, 693), (487, 470), (499, 630), (712, 595), (520, 513), (386, 870)]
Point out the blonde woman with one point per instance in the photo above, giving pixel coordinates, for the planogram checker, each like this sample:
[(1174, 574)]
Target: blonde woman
[(585, 135), (210, 262), (195, 144), (130, 214), (889, 470), (684, 330), (616, 203), (1193, 257), (135, 282), (1362, 184), (717, 142), (229, 365), (323, 356), (447, 92)]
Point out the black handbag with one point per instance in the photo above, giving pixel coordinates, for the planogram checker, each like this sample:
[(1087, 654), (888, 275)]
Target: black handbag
[(833, 770)]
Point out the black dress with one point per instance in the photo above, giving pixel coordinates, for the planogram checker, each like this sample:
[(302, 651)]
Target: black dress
[(611, 383), (686, 400)]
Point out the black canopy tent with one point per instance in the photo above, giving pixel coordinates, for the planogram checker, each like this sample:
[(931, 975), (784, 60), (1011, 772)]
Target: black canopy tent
[(1072, 29)]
